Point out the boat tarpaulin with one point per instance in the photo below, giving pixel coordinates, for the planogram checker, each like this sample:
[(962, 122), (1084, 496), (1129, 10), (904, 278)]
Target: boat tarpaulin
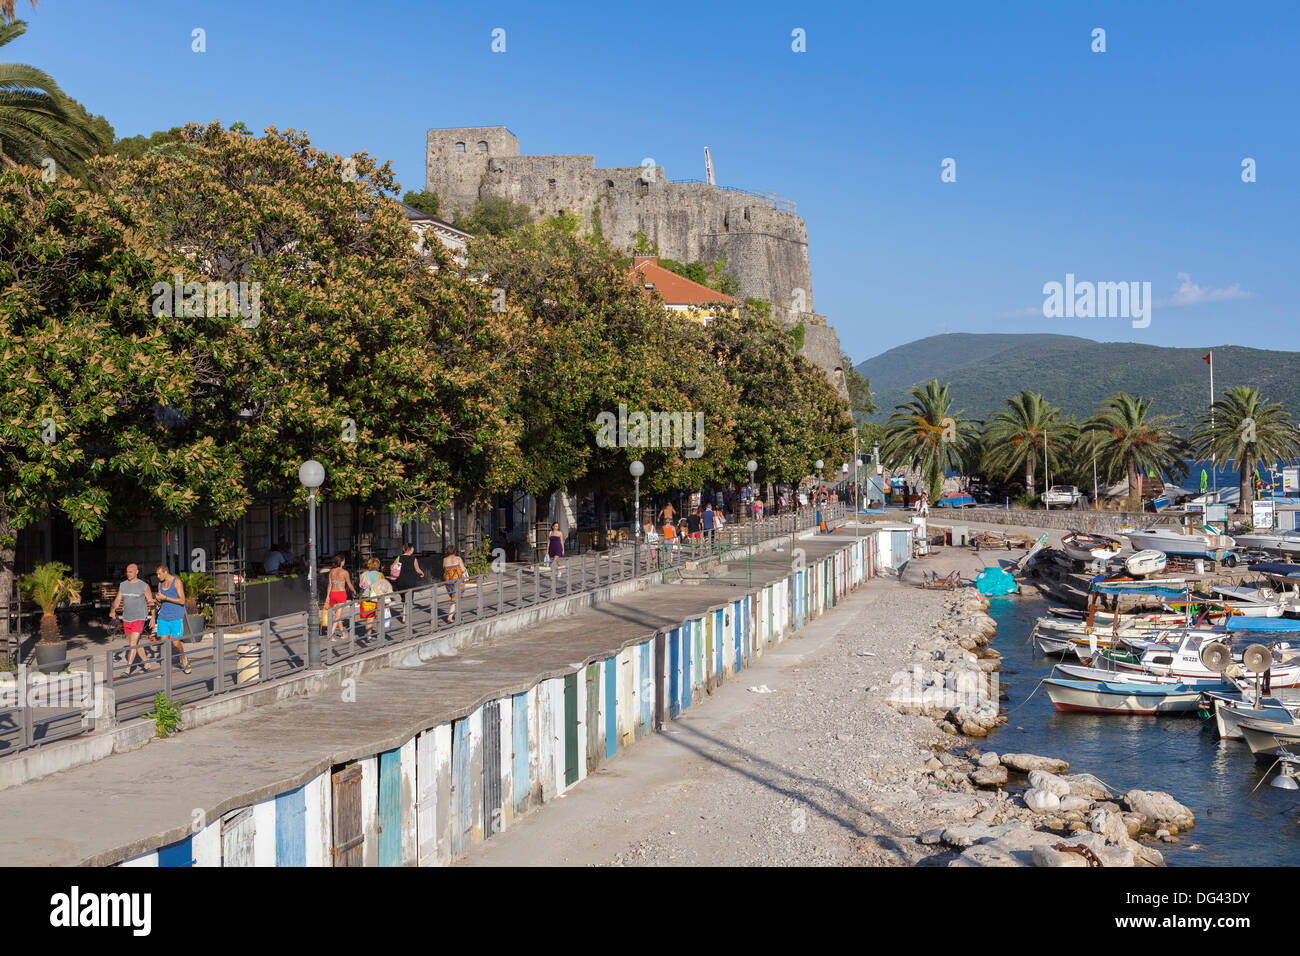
[(1262, 624), (1138, 587), (992, 582), (1277, 568)]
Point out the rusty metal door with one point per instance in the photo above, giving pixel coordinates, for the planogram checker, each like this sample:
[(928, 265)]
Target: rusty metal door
[(348, 833)]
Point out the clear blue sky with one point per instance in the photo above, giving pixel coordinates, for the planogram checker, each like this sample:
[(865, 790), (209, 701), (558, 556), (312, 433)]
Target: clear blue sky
[(1123, 165)]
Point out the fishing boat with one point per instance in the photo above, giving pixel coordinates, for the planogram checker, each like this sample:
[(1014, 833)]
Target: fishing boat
[(1202, 655), (1266, 737), (1284, 582), (1108, 674), (1123, 697), (1145, 562), (1250, 601), (1087, 548), (1231, 708), (1185, 536)]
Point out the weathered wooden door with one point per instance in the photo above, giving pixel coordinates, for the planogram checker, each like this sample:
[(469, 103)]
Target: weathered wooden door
[(492, 803), (595, 745), (237, 832), (390, 808), (570, 729), (349, 837), (291, 828)]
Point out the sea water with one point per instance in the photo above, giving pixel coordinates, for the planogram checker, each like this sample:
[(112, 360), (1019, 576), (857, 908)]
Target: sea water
[(1179, 754)]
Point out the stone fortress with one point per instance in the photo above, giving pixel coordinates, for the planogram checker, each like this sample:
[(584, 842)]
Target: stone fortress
[(758, 236)]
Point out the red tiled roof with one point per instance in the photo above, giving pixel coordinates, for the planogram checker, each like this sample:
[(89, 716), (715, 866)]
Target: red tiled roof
[(676, 290)]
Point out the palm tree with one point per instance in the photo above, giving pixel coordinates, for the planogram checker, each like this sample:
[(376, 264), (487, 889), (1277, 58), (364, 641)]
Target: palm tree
[(926, 435), (1017, 434), (1129, 440), (36, 121), (1243, 426), (7, 8), (49, 585)]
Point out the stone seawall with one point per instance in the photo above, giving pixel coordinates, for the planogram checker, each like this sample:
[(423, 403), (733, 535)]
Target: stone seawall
[(1101, 522)]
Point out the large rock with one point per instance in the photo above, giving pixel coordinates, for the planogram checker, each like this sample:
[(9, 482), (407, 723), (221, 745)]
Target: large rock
[(1086, 785), (1075, 802), (1159, 811), (1042, 801), (989, 760), (1023, 763), (1044, 855), (1042, 780), (995, 776)]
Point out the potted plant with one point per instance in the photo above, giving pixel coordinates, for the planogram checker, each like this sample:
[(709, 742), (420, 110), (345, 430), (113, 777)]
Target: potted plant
[(50, 585), (200, 598)]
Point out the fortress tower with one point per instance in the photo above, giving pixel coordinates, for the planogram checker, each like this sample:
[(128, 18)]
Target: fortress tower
[(758, 236)]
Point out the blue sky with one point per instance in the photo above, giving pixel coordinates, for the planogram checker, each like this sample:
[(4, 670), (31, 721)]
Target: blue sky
[(1115, 166)]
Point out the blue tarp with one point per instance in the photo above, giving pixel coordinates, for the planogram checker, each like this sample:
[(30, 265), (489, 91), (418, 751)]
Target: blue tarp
[(1262, 624), (993, 582), (1279, 568), (1138, 587)]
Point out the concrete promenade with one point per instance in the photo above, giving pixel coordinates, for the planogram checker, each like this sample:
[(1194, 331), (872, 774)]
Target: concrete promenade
[(129, 803)]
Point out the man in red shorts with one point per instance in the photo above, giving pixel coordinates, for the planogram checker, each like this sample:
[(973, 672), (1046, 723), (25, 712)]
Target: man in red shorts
[(133, 599)]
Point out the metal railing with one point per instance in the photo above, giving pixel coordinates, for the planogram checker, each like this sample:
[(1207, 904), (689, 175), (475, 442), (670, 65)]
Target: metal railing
[(237, 657), (38, 709)]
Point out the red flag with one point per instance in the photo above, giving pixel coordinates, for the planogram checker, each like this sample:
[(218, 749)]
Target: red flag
[(1206, 359)]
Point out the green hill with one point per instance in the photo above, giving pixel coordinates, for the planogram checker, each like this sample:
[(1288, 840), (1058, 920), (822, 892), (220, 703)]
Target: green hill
[(1076, 374)]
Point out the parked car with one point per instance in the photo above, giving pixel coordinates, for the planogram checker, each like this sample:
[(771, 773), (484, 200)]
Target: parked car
[(1064, 496)]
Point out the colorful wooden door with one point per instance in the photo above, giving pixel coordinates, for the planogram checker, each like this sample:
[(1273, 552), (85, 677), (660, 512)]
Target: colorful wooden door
[(349, 837), (291, 828), (237, 832), (521, 775), (178, 854), (390, 808), (595, 729)]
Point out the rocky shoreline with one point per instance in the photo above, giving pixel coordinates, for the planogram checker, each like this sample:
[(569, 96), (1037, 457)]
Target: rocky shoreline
[(1012, 809)]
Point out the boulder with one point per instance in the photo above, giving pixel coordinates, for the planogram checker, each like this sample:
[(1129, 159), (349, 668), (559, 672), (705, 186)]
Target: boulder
[(1133, 823), (989, 760), (1042, 801), (972, 729), (995, 776), (1159, 811), (1086, 785), (1023, 763), (986, 854), (1042, 780), (1073, 801), (1045, 856)]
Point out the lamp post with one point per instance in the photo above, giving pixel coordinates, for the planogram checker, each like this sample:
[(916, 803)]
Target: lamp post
[(312, 475), (821, 466), (637, 469)]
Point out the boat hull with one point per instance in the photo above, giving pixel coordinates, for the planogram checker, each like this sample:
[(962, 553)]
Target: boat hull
[(1072, 696), (1266, 737)]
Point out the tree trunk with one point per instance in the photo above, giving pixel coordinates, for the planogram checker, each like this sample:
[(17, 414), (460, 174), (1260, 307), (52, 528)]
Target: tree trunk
[(50, 629), (226, 610), (1029, 471), (1134, 496), (602, 522), (1245, 484), (8, 547)]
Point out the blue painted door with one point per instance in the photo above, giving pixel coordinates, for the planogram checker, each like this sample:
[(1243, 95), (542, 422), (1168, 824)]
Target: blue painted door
[(737, 632), (688, 658), (674, 673), (519, 741), (178, 854), (647, 699), (291, 828), (390, 808)]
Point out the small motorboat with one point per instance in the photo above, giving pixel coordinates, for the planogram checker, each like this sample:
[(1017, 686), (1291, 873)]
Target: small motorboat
[(1088, 548), (1266, 737), (1148, 561), (1201, 655), (1123, 697), (1106, 674), (1190, 538), (1274, 542), (1230, 709)]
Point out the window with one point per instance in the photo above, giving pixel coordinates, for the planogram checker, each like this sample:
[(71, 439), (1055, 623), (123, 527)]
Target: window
[(609, 184), (482, 146), (642, 186), (746, 214), (460, 147)]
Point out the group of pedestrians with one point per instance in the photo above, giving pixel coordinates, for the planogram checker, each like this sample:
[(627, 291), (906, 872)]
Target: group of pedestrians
[(404, 573), (164, 612)]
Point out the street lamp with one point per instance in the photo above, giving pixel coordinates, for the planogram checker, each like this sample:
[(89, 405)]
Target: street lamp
[(637, 469), (312, 475), (752, 466)]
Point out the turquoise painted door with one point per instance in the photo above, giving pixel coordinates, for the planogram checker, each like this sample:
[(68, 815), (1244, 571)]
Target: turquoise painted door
[(611, 706), (519, 714), (390, 808), (178, 854)]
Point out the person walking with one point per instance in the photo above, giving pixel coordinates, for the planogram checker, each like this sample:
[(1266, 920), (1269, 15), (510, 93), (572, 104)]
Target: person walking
[(555, 549), (706, 520), (369, 608), (665, 514), (405, 572), (171, 612), (340, 583), (453, 576), (133, 600)]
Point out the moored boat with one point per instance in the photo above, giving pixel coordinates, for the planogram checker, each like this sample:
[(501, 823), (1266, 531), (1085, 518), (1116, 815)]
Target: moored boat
[(1148, 561), (1087, 548), (1122, 697)]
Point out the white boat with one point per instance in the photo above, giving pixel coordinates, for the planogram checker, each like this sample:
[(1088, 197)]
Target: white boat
[(1148, 561), (1084, 672), (1250, 602), (1173, 535), (1087, 548), (1230, 709), (1185, 660), (1107, 697), (1266, 737), (1274, 542)]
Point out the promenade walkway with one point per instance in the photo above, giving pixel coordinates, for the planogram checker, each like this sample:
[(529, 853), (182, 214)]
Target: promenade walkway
[(117, 807)]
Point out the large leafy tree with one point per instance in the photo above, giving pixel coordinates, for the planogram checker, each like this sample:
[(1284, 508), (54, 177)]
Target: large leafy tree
[(926, 434), (384, 366), (1130, 441), (1245, 427), (587, 339), (82, 372), (37, 121), (1020, 435)]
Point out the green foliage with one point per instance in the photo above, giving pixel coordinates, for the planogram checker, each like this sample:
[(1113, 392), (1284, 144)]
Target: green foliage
[(1019, 436), (200, 593), (713, 275), (642, 246), (797, 335), (37, 120), (597, 232), (425, 201), (50, 585), (564, 221), (171, 143), (494, 216), (859, 388), (1129, 441), (166, 715), (478, 560), (926, 434), (1242, 426), (761, 308)]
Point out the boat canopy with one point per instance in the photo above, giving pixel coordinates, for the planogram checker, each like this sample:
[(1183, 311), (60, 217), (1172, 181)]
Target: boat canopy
[(1262, 624), (1153, 588), (1278, 569)]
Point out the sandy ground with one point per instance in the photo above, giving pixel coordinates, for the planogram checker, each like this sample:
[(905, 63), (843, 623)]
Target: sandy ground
[(818, 771)]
